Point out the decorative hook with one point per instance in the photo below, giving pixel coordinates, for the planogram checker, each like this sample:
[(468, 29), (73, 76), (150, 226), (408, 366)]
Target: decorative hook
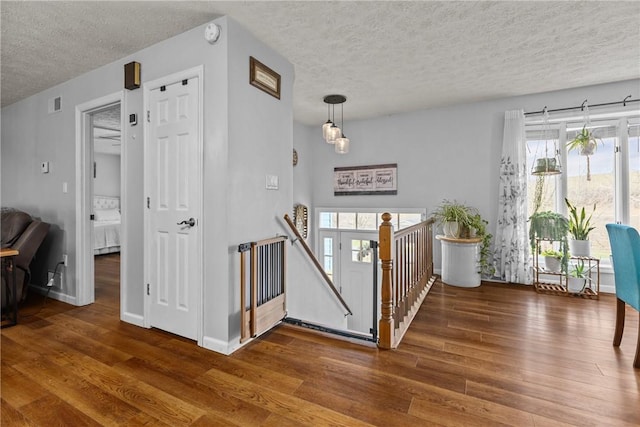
[(583, 104), (624, 101)]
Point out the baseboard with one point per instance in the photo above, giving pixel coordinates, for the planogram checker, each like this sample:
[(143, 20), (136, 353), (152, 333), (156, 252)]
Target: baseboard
[(56, 295), (220, 346), (134, 319)]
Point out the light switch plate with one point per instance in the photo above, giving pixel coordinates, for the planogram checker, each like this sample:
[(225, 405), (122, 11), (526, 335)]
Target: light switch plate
[(44, 167), (272, 182)]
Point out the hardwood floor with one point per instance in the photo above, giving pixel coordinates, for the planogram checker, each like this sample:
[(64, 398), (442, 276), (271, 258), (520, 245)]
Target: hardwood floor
[(490, 356)]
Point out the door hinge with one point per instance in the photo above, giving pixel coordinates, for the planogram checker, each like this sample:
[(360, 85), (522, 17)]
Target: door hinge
[(148, 289), (92, 217), (616, 149), (148, 202), (148, 116)]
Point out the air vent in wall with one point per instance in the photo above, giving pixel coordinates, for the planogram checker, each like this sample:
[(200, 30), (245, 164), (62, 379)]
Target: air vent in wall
[(55, 105)]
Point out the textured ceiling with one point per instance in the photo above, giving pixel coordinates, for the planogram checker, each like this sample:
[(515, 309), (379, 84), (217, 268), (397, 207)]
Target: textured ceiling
[(386, 57)]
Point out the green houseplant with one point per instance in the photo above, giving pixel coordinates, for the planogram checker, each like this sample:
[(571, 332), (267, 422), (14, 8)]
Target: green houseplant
[(577, 279), (552, 260), (579, 229), (468, 224), (453, 216), (586, 144), (550, 226), (479, 224)]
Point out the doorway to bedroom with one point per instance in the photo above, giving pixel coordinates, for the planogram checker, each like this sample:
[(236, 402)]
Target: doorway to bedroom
[(106, 139), (101, 185)]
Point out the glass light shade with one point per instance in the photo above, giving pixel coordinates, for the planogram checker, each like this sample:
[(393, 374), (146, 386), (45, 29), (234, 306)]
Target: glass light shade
[(333, 133), (342, 145), (325, 129)]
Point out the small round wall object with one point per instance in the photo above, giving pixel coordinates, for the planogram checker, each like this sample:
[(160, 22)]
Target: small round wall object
[(212, 33)]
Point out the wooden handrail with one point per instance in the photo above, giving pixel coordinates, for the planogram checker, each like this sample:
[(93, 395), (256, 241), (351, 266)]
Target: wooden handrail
[(315, 261), (407, 276)]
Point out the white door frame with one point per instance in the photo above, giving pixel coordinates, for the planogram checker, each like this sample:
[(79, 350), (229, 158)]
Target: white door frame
[(85, 282), (147, 88)]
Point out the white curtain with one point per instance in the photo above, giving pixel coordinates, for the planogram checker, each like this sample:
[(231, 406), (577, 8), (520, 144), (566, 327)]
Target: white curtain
[(512, 241)]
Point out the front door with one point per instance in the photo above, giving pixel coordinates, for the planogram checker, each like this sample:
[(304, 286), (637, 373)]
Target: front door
[(356, 278), (173, 205)]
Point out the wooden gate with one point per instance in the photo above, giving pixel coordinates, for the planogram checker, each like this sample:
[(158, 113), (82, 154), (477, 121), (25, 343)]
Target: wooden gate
[(266, 270)]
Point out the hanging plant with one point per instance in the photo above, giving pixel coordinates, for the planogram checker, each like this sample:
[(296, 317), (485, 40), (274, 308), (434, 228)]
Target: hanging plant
[(552, 226), (586, 144)]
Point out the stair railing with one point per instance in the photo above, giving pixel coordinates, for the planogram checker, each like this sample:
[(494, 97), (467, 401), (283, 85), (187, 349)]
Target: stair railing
[(407, 276), (316, 263)]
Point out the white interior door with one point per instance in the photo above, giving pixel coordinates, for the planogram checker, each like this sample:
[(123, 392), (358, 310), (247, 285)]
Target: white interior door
[(356, 278), (174, 202)]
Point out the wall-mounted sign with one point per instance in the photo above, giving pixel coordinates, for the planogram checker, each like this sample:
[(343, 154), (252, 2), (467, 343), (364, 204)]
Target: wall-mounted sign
[(365, 180)]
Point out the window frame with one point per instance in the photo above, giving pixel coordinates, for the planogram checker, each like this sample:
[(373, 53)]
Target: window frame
[(621, 120)]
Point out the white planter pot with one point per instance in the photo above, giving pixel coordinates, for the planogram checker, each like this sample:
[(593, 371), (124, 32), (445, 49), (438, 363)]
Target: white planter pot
[(451, 229), (576, 284), (580, 248), (551, 264)]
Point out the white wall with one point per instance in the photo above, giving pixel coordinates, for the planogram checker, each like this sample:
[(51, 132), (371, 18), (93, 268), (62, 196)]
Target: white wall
[(260, 144), (107, 180), (442, 153), (308, 297), (247, 134)]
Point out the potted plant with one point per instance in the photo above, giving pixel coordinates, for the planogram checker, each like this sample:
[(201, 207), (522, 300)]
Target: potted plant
[(478, 225), (550, 226), (579, 229), (586, 144), (577, 279), (462, 221), (546, 166), (552, 260), (453, 216)]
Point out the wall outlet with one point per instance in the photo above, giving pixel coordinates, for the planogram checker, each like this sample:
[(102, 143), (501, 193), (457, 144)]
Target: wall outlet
[(65, 260), (54, 281)]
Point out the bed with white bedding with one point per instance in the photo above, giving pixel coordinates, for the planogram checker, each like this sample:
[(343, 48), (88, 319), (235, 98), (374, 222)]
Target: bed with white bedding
[(106, 225)]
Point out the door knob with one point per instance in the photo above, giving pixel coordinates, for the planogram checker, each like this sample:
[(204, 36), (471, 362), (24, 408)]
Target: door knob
[(190, 222)]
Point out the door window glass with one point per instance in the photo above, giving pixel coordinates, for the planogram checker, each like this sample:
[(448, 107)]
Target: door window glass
[(361, 251)]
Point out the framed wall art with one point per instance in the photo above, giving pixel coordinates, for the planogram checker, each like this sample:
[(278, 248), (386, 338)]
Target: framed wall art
[(366, 180), (264, 78)]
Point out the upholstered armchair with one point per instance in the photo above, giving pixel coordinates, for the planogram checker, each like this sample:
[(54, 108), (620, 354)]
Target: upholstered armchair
[(22, 232), (625, 251)]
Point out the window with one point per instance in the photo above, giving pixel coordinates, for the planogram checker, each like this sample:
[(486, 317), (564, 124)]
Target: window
[(360, 251), (327, 244), (608, 178), (367, 221)]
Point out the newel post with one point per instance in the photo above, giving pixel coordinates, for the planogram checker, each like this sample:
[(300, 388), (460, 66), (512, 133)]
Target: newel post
[(385, 326)]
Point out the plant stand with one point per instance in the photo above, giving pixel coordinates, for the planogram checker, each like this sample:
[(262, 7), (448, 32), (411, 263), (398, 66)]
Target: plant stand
[(544, 283), (460, 261)]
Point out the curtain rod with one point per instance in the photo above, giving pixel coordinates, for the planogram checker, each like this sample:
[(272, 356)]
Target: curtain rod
[(584, 104)]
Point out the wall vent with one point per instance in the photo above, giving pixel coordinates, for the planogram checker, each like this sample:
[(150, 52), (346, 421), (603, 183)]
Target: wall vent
[(55, 105)]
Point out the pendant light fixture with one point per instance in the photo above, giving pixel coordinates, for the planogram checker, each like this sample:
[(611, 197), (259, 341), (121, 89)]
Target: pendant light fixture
[(327, 125), (333, 132), (342, 143)]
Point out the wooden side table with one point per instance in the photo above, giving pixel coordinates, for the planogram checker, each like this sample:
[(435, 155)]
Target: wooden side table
[(7, 255)]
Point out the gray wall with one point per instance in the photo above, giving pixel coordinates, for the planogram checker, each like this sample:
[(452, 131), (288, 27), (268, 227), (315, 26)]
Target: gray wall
[(247, 134), (260, 144), (107, 180), (442, 153)]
